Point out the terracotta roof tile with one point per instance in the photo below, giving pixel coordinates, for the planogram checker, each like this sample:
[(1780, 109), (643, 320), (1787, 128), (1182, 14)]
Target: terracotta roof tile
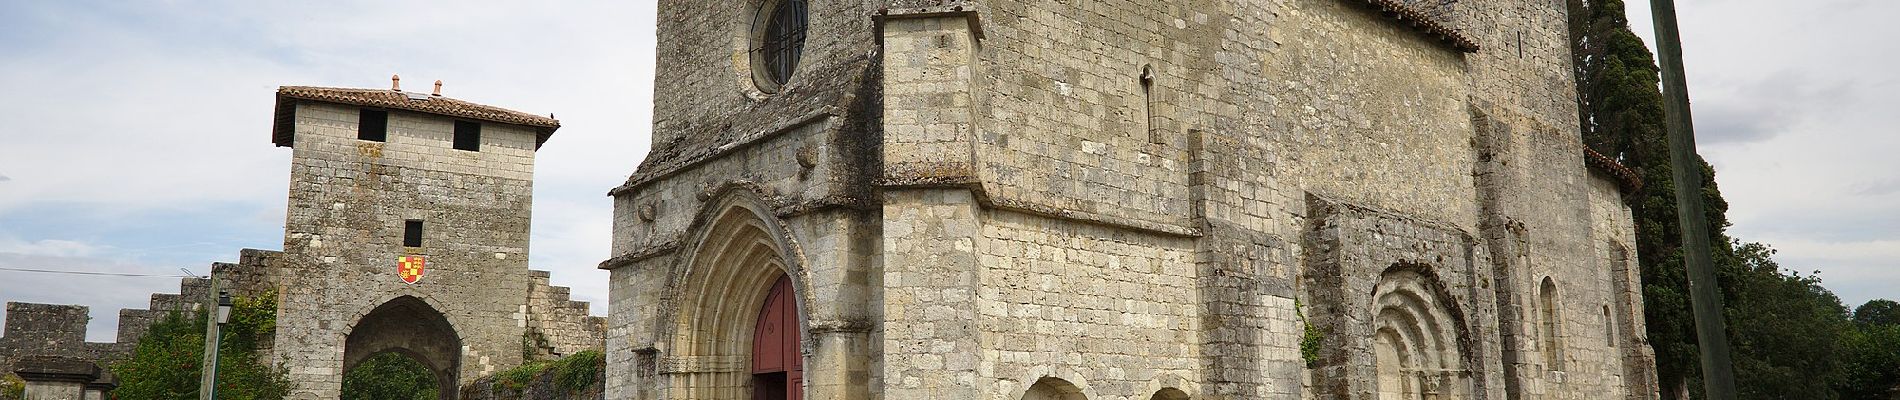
[(1426, 23), (288, 96), (1627, 178)]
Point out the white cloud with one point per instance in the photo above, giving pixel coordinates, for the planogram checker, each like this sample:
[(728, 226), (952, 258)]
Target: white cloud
[(1786, 109), (143, 109), (46, 247), (103, 295)]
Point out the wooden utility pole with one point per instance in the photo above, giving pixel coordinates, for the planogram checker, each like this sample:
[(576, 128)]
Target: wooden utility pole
[(1718, 373), (208, 372)]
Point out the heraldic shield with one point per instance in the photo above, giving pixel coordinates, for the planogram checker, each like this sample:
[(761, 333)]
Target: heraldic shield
[(410, 269)]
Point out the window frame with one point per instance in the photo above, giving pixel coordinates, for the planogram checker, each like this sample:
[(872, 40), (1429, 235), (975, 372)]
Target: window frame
[(368, 118), (469, 139)]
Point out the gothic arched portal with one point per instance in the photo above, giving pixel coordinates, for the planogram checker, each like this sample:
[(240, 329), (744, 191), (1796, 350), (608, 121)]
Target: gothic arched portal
[(1415, 340), (734, 289), (408, 326)]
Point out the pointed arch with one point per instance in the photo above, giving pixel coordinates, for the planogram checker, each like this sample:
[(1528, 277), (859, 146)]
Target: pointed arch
[(410, 326), (718, 295), (1550, 331)]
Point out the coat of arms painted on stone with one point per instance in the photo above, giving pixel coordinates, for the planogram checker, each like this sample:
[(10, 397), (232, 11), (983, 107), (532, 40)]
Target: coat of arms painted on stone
[(410, 268)]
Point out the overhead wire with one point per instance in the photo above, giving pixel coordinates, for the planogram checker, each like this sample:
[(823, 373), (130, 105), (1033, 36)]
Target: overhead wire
[(94, 273)]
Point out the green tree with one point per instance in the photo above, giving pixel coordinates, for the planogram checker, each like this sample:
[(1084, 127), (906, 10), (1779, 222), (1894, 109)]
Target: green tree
[(1622, 117), (1786, 331), (1873, 367), (1878, 312), (166, 364), (390, 376)]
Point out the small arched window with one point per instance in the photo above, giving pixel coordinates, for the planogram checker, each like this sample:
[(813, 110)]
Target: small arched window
[(1551, 331), (778, 42)]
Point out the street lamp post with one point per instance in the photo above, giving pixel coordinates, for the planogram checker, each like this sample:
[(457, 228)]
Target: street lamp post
[(209, 388)]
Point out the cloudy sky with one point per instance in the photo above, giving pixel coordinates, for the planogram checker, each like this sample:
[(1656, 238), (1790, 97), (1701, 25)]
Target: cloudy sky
[(134, 136)]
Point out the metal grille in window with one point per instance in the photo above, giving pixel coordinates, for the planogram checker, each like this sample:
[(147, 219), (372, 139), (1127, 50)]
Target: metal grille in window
[(782, 40)]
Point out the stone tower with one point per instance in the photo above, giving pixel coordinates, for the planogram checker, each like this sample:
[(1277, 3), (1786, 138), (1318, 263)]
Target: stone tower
[(381, 182), (1208, 199), (380, 178)]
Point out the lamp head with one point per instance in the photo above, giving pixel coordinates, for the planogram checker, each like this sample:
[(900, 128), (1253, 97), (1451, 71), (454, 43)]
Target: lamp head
[(224, 307)]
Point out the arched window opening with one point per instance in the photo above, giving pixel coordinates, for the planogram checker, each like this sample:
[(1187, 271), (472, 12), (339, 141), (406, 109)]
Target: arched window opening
[(1053, 389), (1551, 329)]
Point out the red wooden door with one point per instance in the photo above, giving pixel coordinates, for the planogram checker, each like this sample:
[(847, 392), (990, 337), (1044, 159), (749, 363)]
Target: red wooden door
[(778, 370)]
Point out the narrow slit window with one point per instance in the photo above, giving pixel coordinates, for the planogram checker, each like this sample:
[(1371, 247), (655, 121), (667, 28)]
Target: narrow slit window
[(1148, 105), (468, 136), (372, 125), (1609, 327), (412, 233)]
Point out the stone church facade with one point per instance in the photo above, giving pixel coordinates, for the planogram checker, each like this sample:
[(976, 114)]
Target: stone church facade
[(1206, 199)]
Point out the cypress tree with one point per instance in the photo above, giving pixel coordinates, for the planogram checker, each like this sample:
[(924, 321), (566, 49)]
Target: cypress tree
[(1786, 331)]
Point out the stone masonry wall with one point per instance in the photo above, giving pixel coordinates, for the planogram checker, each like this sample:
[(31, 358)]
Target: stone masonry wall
[(556, 325), (43, 329), (1614, 231), (1107, 308)]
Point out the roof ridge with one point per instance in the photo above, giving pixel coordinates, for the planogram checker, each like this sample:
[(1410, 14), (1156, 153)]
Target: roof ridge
[(480, 111), (410, 101)]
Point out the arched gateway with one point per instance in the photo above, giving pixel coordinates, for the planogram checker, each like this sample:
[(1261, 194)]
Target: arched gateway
[(406, 325)]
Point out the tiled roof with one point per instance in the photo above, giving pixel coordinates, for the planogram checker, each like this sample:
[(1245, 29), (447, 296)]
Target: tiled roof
[(288, 96), (1625, 177), (1425, 23)]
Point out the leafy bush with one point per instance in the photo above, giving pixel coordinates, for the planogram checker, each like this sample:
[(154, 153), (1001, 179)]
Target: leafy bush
[(390, 376), (580, 371), (167, 362), (12, 388), (574, 373)]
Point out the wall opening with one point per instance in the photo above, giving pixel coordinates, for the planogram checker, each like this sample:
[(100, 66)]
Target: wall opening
[(468, 135), (372, 125), (412, 233), (1169, 394), (737, 279), (408, 326), (390, 375), (1049, 388), (777, 43), (1551, 329), (1609, 328), (1148, 105)]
